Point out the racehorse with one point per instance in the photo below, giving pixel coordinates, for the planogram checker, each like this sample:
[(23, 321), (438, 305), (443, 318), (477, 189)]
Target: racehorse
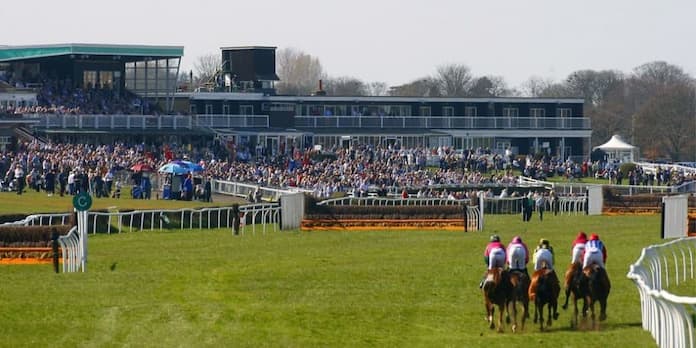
[(575, 283), (496, 290), (519, 292), (544, 290), (598, 286)]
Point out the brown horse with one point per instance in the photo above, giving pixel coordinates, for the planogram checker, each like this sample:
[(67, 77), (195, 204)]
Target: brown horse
[(544, 290), (519, 292), (576, 284), (598, 288), (496, 289)]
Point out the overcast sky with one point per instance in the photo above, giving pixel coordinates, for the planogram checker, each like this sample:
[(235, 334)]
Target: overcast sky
[(385, 40)]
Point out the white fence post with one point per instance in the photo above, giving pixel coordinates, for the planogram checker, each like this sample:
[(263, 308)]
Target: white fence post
[(291, 211)]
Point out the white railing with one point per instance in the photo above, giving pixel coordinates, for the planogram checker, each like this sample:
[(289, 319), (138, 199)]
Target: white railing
[(150, 122), (443, 122), (243, 190), (386, 201), (71, 251), (43, 220), (668, 317), (652, 167)]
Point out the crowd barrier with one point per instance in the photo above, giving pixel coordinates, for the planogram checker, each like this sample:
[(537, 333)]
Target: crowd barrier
[(71, 252), (669, 318)]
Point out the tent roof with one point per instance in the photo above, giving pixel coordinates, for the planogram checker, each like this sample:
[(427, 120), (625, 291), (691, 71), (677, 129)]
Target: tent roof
[(615, 143)]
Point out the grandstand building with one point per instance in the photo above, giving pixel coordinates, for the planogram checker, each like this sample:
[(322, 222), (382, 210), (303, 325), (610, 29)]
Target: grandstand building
[(239, 107)]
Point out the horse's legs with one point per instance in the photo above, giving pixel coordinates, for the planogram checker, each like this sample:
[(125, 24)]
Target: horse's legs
[(574, 319), (512, 304), (490, 311), (550, 317), (567, 293), (501, 308), (603, 309)]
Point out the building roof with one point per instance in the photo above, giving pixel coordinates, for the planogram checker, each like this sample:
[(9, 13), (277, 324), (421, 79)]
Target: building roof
[(237, 48), (12, 53)]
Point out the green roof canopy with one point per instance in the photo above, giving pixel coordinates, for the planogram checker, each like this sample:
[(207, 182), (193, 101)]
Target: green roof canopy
[(137, 52)]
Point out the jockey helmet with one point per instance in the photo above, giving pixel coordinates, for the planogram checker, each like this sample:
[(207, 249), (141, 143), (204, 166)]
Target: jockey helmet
[(517, 239), (582, 235), (495, 238), (594, 236), (544, 241)]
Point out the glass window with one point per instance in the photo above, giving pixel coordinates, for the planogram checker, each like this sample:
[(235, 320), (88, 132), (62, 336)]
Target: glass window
[(470, 111), (448, 111), (537, 112), (510, 112), (246, 109), (565, 112), (425, 111), (208, 109), (226, 109), (89, 79)]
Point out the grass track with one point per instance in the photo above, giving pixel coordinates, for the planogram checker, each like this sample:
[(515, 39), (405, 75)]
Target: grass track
[(305, 289)]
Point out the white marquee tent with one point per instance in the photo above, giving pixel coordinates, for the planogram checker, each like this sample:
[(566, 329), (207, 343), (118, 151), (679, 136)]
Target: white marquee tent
[(617, 149)]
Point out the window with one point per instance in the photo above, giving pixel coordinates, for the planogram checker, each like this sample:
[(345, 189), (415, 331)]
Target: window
[(448, 111), (193, 109), (246, 109), (511, 112), (208, 109), (565, 112), (425, 111), (89, 79), (470, 111), (537, 112), (226, 109)]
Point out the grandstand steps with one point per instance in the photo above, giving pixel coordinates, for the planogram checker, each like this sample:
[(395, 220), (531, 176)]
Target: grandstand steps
[(27, 135)]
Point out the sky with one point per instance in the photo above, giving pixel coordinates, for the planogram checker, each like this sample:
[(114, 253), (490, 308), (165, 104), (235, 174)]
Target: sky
[(387, 41)]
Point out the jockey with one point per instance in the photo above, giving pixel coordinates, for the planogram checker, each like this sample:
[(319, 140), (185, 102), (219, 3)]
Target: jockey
[(518, 255), (578, 247), (595, 252), (543, 253), (494, 255)]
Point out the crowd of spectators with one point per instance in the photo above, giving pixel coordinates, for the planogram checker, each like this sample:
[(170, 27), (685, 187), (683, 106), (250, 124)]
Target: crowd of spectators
[(61, 97), (358, 170)]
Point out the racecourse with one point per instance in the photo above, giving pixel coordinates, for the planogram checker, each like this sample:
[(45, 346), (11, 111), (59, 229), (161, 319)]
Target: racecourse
[(306, 289)]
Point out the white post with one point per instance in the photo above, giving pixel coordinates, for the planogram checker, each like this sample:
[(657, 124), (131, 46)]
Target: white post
[(82, 229)]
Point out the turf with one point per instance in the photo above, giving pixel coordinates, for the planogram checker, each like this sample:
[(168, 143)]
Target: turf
[(305, 289)]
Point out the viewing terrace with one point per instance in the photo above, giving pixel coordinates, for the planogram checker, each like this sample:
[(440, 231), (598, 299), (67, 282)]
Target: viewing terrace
[(53, 121)]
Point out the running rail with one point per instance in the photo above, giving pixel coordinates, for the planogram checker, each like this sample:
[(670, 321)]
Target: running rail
[(669, 318)]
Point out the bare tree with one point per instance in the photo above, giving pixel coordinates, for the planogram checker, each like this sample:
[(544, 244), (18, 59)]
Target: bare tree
[(667, 120), (345, 86), (488, 86), (453, 80), (377, 89), (299, 72), (207, 66), (535, 86), (424, 87)]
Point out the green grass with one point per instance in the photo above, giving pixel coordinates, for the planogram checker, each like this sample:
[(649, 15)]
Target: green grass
[(305, 289), (32, 202)]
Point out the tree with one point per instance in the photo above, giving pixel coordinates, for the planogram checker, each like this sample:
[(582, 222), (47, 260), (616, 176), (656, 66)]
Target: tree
[(299, 72), (667, 120), (206, 67), (453, 80), (377, 88), (345, 86), (535, 86), (424, 87), (488, 86), (594, 86)]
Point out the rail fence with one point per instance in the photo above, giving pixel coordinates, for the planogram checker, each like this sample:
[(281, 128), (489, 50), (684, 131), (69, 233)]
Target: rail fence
[(669, 318)]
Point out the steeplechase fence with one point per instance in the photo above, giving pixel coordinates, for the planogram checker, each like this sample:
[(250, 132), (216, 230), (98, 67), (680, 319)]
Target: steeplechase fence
[(669, 318)]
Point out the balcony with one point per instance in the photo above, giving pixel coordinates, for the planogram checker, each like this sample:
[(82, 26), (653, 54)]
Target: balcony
[(146, 122), (438, 122)]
